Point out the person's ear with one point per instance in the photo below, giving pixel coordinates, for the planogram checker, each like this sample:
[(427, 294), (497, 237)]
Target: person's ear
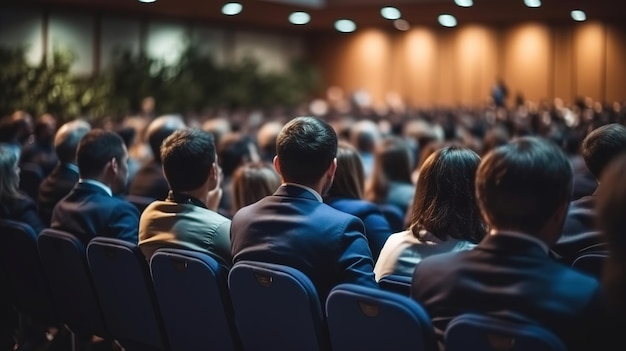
[(277, 165), (114, 165), (332, 168)]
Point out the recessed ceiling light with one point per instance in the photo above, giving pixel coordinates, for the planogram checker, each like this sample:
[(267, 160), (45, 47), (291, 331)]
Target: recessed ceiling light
[(232, 8), (579, 15), (447, 20), (147, 1), (464, 3), (390, 13), (533, 3), (345, 26), (299, 17), (401, 24)]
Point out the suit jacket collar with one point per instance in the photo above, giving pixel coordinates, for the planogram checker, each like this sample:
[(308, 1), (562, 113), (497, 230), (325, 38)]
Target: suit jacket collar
[(511, 244), (91, 188), (292, 190)]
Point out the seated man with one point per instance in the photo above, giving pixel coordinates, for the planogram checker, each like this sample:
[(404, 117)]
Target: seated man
[(523, 190), (293, 227), (187, 218), (65, 175), (90, 209)]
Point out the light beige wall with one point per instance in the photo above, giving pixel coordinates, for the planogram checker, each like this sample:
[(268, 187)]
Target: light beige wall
[(436, 66)]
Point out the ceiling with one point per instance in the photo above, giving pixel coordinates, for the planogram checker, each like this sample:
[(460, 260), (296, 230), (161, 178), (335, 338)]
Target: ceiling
[(272, 14)]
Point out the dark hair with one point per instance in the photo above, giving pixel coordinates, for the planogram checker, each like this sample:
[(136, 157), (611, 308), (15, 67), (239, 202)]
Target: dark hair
[(520, 185), (444, 203), (252, 182), (233, 150), (349, 177), (67, 138), (601, 145), (159, 129), (393, 162), (306, 146), (187, 156), (96, 149)]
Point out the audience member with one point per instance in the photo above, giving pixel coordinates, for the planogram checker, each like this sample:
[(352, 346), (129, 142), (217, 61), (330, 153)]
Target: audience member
[(598, 149), (364, 136), (252, 182), (41, 152), (16, 131), (523, 190), (346, 195), (65, 175), (266, 139), (14, 204), (149, 180), (187, 218), (91, 209), (444, 216), (327, 245)]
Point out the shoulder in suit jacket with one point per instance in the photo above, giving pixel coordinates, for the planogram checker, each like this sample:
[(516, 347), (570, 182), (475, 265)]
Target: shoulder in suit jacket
[(53, 188), (579, 230)]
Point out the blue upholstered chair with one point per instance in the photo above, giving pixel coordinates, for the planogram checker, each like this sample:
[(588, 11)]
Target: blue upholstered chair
[(397, 283), (192, 291), (363, 318), (276, 308), (491, 333)]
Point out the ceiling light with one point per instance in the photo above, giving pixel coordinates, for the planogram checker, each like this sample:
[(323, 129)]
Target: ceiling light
[(579, 15), (464, 3), (447, 20), (533, 3), (401, 24), (299, 17), (147, 1), (345, 26), (390, 13), (232, 8)]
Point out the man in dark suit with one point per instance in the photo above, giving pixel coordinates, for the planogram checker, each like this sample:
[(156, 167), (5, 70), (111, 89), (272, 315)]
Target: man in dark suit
[(598, 149), (91, 209), (65, 175), (293, 226), (523, 190), (149, 181)]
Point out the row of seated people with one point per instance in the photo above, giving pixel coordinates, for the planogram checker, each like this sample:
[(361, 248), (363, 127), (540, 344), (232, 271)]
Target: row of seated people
[(294, 228)]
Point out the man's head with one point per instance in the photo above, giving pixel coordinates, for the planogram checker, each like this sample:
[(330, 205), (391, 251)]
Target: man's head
[(306, 148), (67, 138), (159, 129), (102, 156), (189, 160), (525, 186), (602, 145)]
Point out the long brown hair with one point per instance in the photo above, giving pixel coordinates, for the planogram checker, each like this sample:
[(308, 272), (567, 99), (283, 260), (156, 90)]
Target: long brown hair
[(349, 177), (252, 182), (393, 162)]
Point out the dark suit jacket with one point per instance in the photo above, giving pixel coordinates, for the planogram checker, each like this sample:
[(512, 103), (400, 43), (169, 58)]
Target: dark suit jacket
[(510, 274), (53, 188), (21, 210), (88, 211), (377, 228), (293, 228), (579, 230), (150, 182)]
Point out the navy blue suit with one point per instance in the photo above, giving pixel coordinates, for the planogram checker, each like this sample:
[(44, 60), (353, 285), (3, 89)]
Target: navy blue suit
[(292, 228), (377, 228), (88, 211), (579, 230), (53, 188), (507, 274)]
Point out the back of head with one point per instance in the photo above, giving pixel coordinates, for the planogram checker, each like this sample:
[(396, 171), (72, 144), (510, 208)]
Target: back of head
[(444, 202), (349, 177), (67, 138), (521, 185), (45, 127), (9, 179), (364, 135), (252, 182), (266, 139), (16, 128), (233, 150), (159, 129), (187, 156), (306, 146), (601, 145), (394, 159), (97, 148)]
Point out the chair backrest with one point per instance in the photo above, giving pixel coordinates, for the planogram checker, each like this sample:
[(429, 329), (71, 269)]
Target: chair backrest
[(591, 263), (31, 176), (492, 333), (363, 318), (122, 279), (192, 291), (276, 308), (394, 215), (65, 265), (397, 283), (30, 292)]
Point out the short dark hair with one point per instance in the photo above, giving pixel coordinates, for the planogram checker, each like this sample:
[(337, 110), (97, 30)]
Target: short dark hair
[(306, 146), (96, 149), (159, 129), (233, 150), (601, 145), (520, 185), (444, 203), (187, 156)]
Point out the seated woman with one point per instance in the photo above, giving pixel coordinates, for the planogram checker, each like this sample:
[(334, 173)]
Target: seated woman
[(15, 205), (346, 195), (251, 182), (444, 216)]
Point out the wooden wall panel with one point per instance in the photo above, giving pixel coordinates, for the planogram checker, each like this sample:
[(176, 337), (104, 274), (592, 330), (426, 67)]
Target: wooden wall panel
[(616, 64), (420, 58), (562, 80), (589, 60)]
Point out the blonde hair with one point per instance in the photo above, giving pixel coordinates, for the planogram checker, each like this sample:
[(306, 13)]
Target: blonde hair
[(252, 182), (9, 178)]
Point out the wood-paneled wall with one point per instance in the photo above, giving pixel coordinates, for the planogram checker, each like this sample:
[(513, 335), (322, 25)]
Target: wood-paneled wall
[(459, 66)]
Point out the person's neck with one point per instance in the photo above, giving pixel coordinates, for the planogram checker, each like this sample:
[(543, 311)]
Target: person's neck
[(200, 194)]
